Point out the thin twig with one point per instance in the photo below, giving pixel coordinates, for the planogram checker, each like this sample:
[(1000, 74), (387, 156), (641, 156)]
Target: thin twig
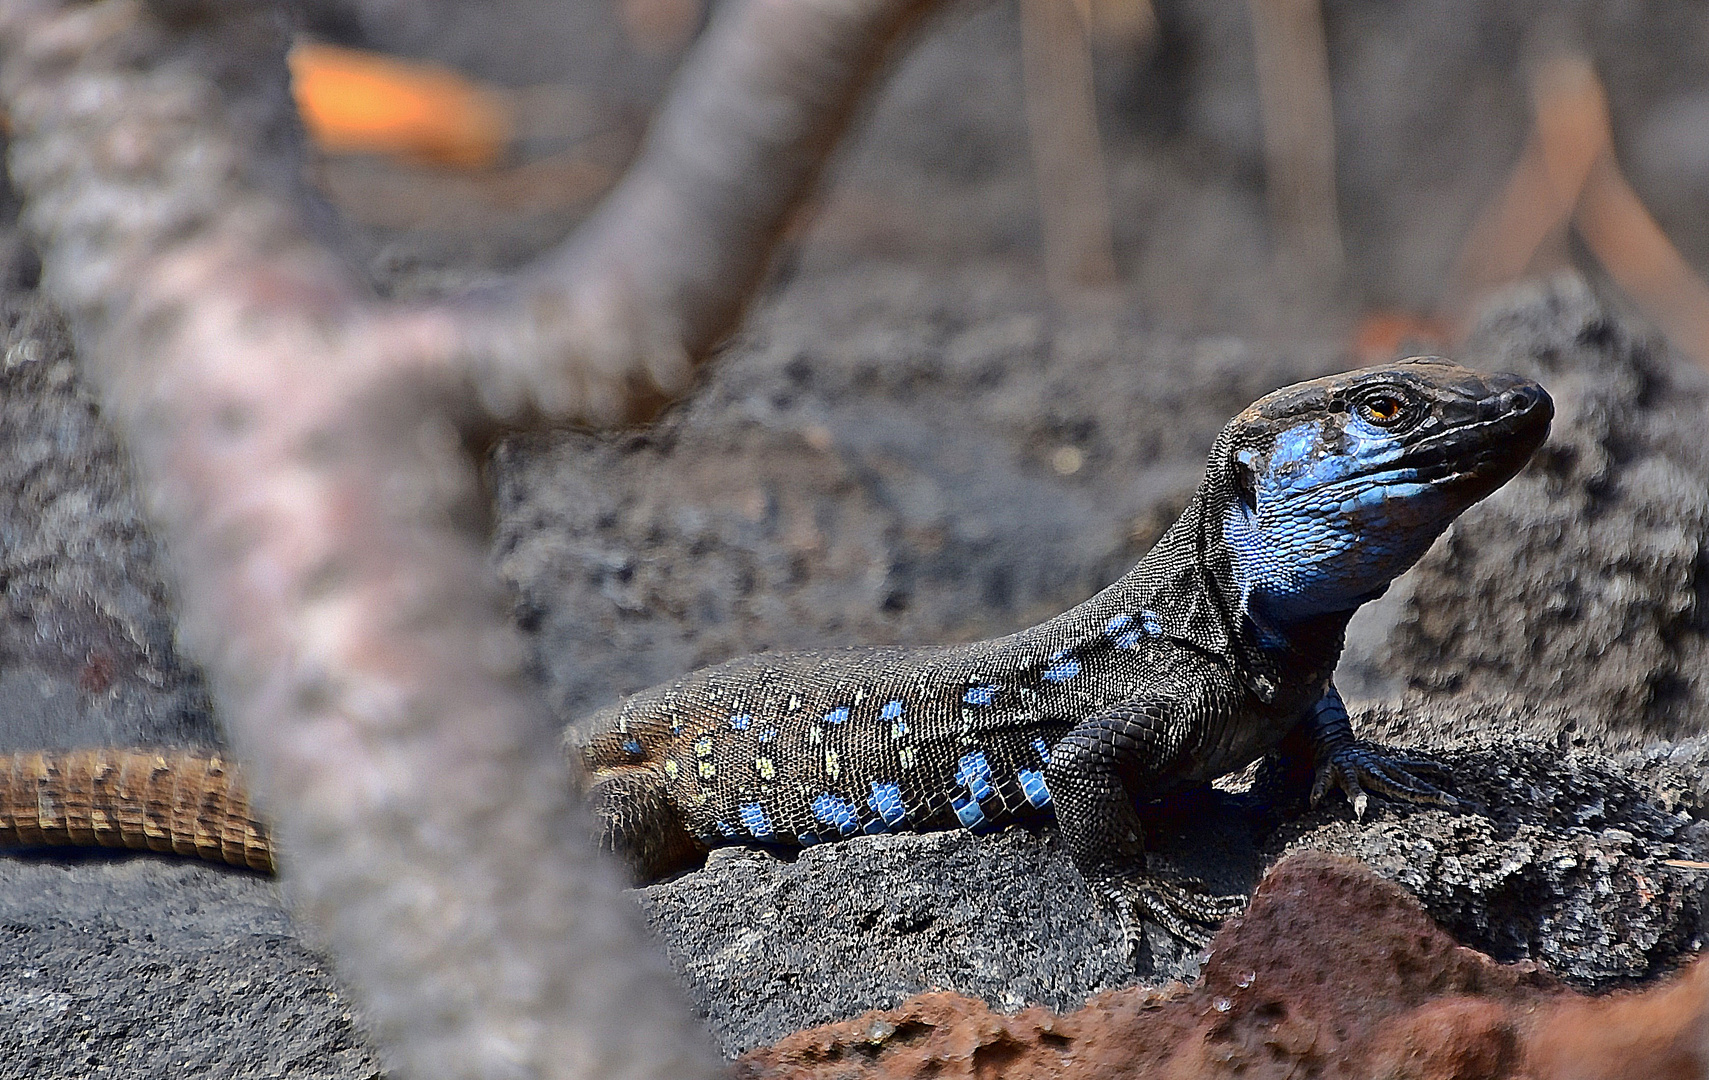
[(1542, 190), (1299, 136)]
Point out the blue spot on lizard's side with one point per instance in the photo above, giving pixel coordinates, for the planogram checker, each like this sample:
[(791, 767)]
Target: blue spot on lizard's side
[(838, 715), (968, 811), (633, 746), (892, 712), (1032, 786), (1043, 749), (755, 820), (1149, 626), (1061, 669), (740, 721), (983, 694), (1115, 624), (973, 772), (834, 811), (886, 802)]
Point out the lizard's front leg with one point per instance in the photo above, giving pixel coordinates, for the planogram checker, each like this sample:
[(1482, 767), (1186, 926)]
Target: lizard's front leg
[(1095, 774), (1341, 761)]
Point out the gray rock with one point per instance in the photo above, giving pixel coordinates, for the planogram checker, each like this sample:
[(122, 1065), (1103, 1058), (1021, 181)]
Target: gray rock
[(134, 967), (1566, 862), (1579, 593)]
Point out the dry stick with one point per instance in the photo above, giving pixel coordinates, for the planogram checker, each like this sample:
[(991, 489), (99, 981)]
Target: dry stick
[(1622, 234), (1541, 191), (320, 513), (608, 328), (1068, 158), (1299, 136)]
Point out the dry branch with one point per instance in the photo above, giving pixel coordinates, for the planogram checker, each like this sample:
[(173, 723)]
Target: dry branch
[(1567, 176), (1543, 188), (1068, 155), (300, 448), (1292, 59)]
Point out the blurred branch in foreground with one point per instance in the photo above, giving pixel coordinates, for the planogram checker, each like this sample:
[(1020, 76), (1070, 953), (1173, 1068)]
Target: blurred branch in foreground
[(301, 448), (1567, 177)]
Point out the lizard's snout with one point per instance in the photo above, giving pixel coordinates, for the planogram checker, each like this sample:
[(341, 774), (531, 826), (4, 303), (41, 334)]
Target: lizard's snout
[(1515, 414), (1527, 400), (1529, 410)]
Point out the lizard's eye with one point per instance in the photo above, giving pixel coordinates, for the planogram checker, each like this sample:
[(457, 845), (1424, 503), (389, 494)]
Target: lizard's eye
[(1382, 409)]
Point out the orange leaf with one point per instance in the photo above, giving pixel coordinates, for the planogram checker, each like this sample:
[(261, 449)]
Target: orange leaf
[(353, 101)]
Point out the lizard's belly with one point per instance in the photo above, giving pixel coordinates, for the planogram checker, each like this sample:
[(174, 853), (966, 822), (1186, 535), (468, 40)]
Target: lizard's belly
[(1241, 739)]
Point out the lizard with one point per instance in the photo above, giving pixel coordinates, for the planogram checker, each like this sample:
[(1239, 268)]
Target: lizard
[(1213, 649)]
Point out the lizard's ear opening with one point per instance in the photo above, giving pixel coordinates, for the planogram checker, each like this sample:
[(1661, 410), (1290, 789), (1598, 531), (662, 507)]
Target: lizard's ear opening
[(1246, 479)]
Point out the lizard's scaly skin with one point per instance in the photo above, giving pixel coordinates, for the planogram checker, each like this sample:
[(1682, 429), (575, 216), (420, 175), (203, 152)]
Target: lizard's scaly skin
[(143, 799), (1213, 650)]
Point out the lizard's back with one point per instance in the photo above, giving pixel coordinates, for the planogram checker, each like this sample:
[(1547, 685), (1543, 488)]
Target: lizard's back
[(795, 748)]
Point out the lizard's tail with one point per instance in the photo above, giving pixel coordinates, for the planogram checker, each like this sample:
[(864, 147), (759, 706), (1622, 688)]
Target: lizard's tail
[(144, 799)]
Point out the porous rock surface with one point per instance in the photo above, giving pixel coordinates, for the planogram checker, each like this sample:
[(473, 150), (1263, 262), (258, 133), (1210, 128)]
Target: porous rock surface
[(1332, 972)]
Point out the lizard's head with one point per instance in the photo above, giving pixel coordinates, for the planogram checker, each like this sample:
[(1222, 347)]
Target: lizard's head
[(1334, 487)]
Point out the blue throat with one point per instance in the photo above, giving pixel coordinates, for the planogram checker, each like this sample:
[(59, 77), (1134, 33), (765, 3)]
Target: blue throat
[(1330, 524)]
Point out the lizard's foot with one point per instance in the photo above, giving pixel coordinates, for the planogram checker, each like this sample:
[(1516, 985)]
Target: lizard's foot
[(1356, 767), (1184, 907)]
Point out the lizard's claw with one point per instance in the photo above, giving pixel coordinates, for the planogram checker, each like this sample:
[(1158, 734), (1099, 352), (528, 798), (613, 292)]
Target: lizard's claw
[(1357, 766), (1184, 907)]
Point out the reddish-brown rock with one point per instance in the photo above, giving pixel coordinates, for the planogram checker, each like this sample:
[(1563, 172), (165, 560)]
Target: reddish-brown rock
[(1333, 972)]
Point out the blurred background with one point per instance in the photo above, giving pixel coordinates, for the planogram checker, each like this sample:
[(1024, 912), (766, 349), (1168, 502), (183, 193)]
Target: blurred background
[(1348, 172)]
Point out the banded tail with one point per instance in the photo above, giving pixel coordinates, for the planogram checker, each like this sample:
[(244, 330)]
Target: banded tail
[(142, 799)]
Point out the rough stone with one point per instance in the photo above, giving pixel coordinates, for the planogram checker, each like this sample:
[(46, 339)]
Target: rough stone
[(1579, 593), (1332, 972)]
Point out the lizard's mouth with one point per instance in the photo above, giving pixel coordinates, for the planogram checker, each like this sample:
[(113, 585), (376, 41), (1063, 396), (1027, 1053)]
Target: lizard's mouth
[(1487, 448)]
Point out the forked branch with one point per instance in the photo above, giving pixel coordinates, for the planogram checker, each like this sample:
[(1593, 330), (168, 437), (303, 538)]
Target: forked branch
[(300, 450)]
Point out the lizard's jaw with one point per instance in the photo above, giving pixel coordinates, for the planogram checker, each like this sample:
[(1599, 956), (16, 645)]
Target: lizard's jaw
[(1489, 450), (1336, 518)]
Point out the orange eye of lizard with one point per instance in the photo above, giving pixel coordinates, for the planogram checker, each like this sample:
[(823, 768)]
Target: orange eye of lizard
[(1383, 409)]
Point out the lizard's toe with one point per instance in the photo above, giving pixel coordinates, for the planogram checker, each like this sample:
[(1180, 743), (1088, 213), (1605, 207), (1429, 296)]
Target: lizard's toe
[(1185, 908), (1358, 768)]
